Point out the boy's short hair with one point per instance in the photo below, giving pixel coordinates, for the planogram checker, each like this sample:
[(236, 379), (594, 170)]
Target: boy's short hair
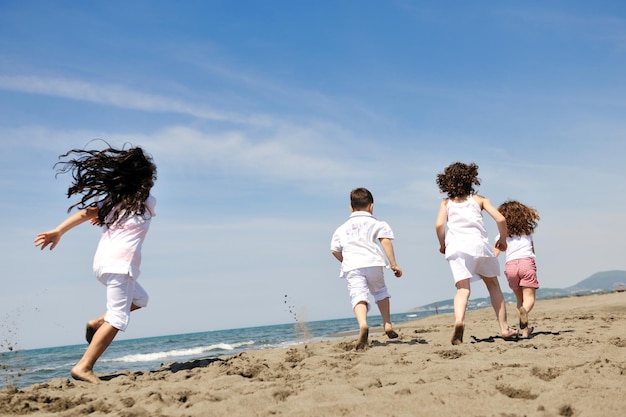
[(360, 199)]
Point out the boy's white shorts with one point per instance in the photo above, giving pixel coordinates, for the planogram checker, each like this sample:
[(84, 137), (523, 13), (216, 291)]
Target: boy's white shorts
[(122, 291), (465, 266), (364, 281)]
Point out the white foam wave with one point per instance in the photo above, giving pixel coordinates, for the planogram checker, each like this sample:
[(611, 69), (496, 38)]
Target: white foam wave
[(177, 353)]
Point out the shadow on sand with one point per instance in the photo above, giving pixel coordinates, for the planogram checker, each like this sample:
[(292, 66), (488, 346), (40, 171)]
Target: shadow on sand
[(172, 367), (534, 334)]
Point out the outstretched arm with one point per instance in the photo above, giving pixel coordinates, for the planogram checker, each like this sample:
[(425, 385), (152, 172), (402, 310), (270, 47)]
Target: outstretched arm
[(391, 256), (53, 236), (500, 221)]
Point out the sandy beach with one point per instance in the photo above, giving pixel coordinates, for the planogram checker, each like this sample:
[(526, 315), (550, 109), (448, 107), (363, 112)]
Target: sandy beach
[(574, 364)]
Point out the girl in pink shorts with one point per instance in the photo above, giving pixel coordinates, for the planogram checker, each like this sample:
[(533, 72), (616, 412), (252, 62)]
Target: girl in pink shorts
[(520, 268)]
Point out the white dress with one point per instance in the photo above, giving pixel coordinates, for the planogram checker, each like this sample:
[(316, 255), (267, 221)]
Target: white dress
[(466, 230)]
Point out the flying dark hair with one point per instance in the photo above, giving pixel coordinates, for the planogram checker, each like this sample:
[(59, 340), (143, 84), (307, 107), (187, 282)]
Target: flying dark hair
[(118, 179), (458, 179), (520, 219), (360, 199)]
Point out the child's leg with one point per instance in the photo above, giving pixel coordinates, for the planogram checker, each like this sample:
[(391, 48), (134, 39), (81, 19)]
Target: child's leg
[(528, 302), (377, 287), (529, 298), (519, 298), (93, 325), (385, 313), (499, 306), (460, 306), (460, 300), (522, 314), (360, 312), (83, 370)]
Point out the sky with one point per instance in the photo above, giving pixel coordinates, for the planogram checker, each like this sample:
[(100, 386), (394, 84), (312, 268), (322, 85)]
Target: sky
[(262, 116)]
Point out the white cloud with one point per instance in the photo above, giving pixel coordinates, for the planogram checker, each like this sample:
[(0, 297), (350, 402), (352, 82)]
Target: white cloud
[(122, 97)]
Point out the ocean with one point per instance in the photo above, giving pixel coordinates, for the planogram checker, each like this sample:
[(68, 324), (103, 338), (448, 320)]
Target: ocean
[(23, 368)]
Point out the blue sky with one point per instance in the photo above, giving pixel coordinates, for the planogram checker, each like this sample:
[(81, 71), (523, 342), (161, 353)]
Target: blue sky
[(262, 116)]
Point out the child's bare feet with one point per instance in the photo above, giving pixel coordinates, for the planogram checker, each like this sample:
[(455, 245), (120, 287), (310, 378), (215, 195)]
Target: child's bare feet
[(390, 332), (527, 332), (89, 332), (457, 335), (523, 318), (86, 375), (510, 334), (362, 340), (92, 327)]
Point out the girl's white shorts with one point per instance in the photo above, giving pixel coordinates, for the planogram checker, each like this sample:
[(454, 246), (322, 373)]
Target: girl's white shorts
[(122, 292)]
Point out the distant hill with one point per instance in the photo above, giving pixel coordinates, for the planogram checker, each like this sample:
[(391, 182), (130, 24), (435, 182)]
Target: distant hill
[(607, 281), (600, 282)]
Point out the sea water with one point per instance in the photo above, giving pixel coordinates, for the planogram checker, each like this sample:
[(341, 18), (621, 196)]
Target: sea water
[(27, 367)]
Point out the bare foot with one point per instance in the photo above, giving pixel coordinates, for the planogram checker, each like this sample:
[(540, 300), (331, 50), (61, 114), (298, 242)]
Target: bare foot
[(92, 327), (523, 318), (527, 332), (84, 375), (362, 341), (390, 332), (511, 334), (89, 332), (457, 336)]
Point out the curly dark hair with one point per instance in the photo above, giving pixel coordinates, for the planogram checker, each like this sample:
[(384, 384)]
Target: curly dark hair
[(361, 198), (520, 219), (119, 179), (458, 179)]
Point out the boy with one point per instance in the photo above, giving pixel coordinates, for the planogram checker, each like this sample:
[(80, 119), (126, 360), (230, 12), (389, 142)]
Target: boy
[(355, 245)]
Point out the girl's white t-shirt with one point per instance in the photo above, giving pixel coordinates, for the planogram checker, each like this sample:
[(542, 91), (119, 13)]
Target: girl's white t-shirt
[(119, 249), (518, 247)]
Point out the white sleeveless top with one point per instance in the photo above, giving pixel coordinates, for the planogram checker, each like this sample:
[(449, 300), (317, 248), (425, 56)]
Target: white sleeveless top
[(519, 247), (466, 230)]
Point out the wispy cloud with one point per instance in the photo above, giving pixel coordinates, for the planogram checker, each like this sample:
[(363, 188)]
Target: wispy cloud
[(122, 97), (291, 154)]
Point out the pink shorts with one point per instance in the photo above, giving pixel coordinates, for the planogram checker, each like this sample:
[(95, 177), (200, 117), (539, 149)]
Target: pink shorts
[(521, 273)]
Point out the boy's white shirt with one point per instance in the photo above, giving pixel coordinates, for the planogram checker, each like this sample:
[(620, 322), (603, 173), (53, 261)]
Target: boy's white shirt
[(358, 241)]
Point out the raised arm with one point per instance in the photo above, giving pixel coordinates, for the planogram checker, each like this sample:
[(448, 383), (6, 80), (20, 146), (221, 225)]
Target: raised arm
[(52, 237)]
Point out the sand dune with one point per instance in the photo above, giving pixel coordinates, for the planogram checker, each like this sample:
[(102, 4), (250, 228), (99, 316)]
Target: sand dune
[(574, 364)]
